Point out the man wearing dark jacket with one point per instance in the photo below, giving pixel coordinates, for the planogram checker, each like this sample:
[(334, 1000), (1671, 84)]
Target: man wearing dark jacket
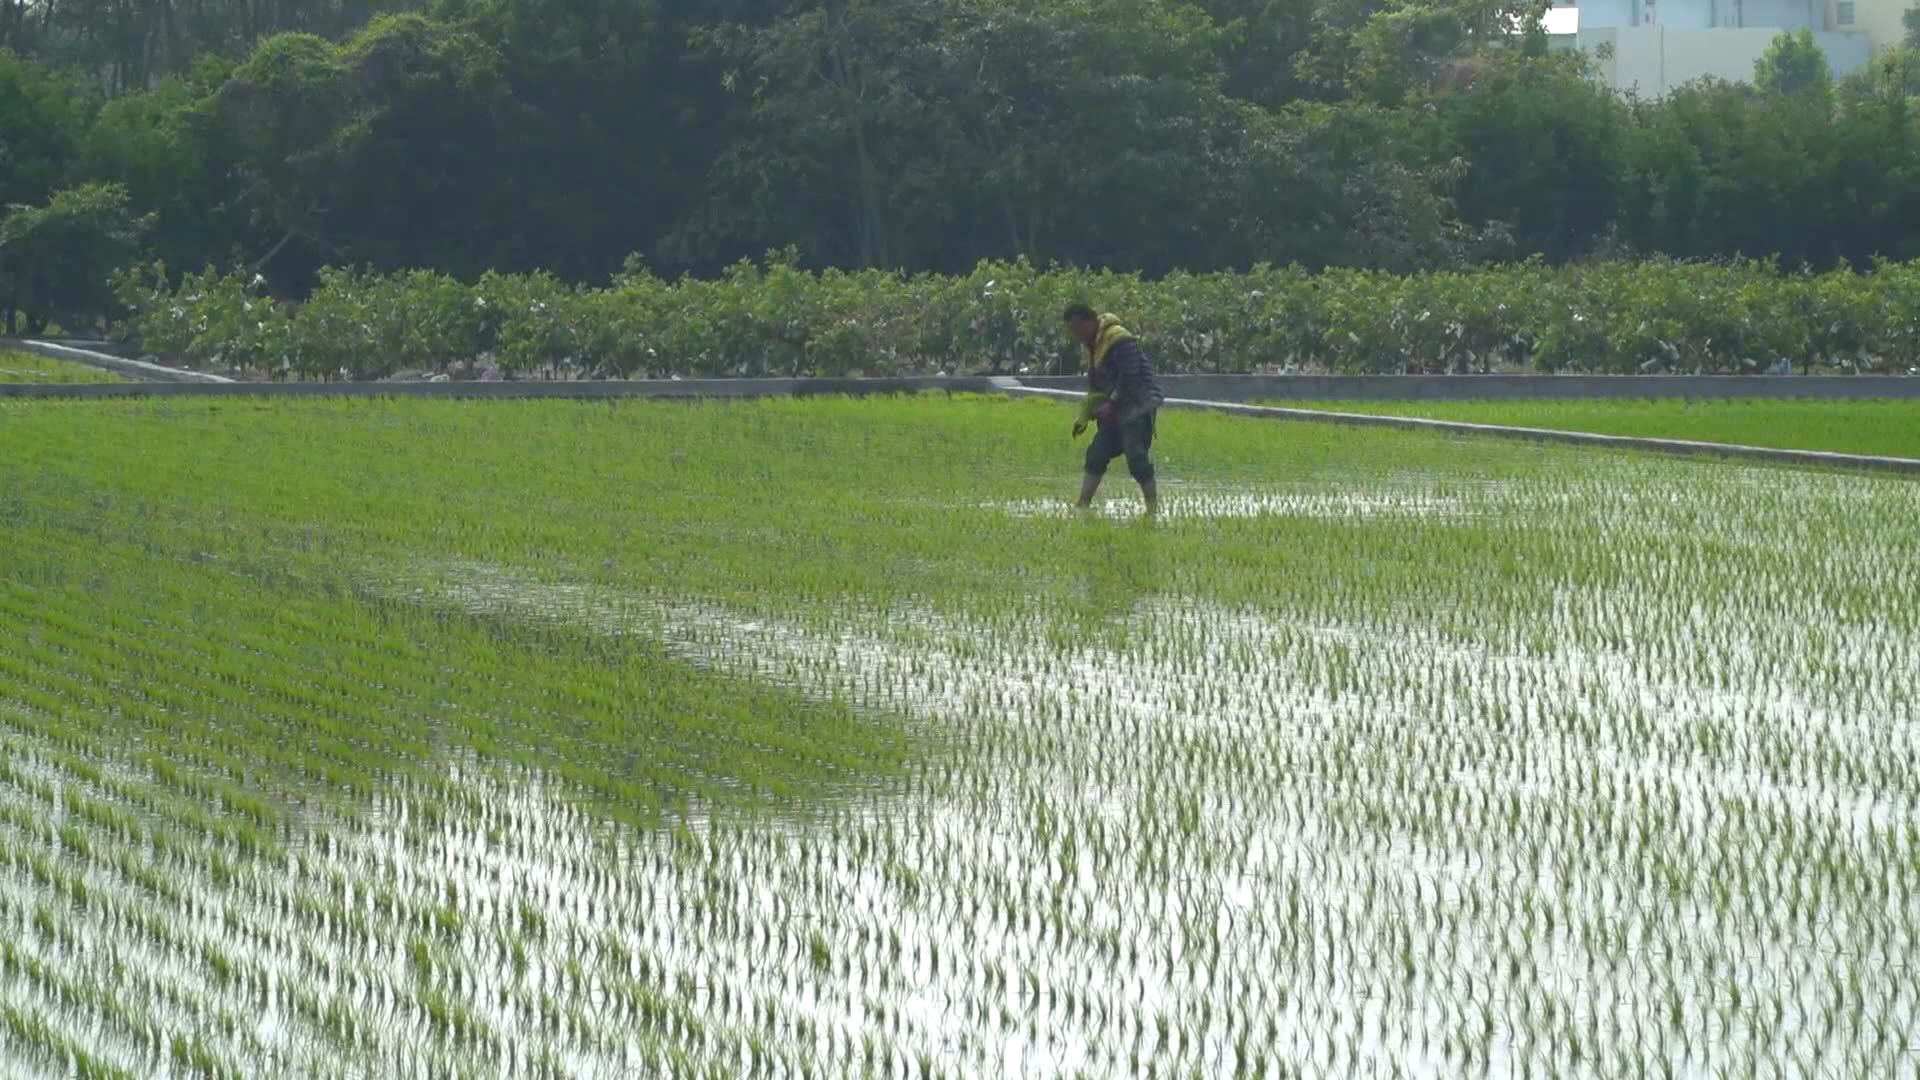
[(1123, 398)]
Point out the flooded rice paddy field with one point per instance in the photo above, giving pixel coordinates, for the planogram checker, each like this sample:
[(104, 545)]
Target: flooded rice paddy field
[(819, 739)]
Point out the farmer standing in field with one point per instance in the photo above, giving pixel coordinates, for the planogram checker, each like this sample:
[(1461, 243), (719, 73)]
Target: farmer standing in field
[(1123, 399)]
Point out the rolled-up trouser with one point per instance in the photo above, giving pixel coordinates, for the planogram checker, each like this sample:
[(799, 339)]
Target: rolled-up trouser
[(1132, 438)]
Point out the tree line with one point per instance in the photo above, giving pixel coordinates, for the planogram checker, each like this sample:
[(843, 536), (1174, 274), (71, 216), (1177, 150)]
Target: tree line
[(580, 136)]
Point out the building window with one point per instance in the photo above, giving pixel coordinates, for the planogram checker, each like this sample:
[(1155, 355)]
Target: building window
[(1843, 12)]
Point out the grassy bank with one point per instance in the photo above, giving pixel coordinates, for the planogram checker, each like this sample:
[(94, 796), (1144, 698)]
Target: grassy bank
[(1886, 427), (19, 366)]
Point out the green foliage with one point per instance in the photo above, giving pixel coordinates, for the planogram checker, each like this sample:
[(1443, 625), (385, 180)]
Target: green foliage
[(431, 111), (1545, 146), (1401, 47), (1892, 73), (1720, 170), (1793, 66), (541, 326), (163, 147), (57, 260), (214, 318), (41, 122), (370, 148), (290, 114), (1029, 123), (772, 318), (909, 138)]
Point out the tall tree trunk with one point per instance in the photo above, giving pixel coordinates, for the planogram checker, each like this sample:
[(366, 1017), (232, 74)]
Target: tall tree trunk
[(873, 241), (170, 40), (263, 260)]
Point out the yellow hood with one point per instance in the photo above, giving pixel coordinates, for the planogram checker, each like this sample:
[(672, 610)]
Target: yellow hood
[(1110, 332)]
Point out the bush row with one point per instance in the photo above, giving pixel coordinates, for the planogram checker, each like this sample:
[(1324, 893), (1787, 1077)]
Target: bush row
[(770, 318)]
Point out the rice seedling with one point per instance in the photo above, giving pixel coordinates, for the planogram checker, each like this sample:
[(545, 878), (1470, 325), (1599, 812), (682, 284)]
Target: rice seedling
[(816, 738)]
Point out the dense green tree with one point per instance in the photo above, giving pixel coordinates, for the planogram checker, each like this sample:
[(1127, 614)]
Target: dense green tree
[(1346, 185), (376, 151), (1794, 65), (57, 260), (625, 118), (1891, 71), (290, 115), (432, 114), (1719, 169), (1544, 146), (563, 135), (42, 120), (1383, 50), (166, 150), (932, 133), (1263, 41), (130, 45), (1871, 174)]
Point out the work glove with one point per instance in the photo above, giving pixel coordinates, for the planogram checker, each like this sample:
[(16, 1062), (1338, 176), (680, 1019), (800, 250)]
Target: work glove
[(1089, 407)]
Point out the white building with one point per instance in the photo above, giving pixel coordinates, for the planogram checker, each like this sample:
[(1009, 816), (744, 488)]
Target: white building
[(1650, 47)]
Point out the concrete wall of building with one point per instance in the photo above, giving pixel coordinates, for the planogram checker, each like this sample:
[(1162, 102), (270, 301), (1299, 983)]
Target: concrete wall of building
[(1651, 61), (1779, 15), (1597, 13), (1880, 20), (1713, 14)]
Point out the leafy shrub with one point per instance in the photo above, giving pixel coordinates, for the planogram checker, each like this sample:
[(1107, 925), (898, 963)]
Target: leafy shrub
[(773, 318), (212, 319)]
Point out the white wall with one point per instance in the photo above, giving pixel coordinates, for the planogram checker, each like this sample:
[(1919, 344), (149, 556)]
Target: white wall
[(1598, 13), (1878, 19), (1652, 60), (1782, 14), (1678, 14)]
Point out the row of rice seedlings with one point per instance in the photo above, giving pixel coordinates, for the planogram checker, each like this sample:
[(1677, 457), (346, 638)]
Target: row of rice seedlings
[(235, 939)]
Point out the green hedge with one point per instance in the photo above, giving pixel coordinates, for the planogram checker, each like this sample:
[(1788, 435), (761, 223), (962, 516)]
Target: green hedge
[(773, 319)]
